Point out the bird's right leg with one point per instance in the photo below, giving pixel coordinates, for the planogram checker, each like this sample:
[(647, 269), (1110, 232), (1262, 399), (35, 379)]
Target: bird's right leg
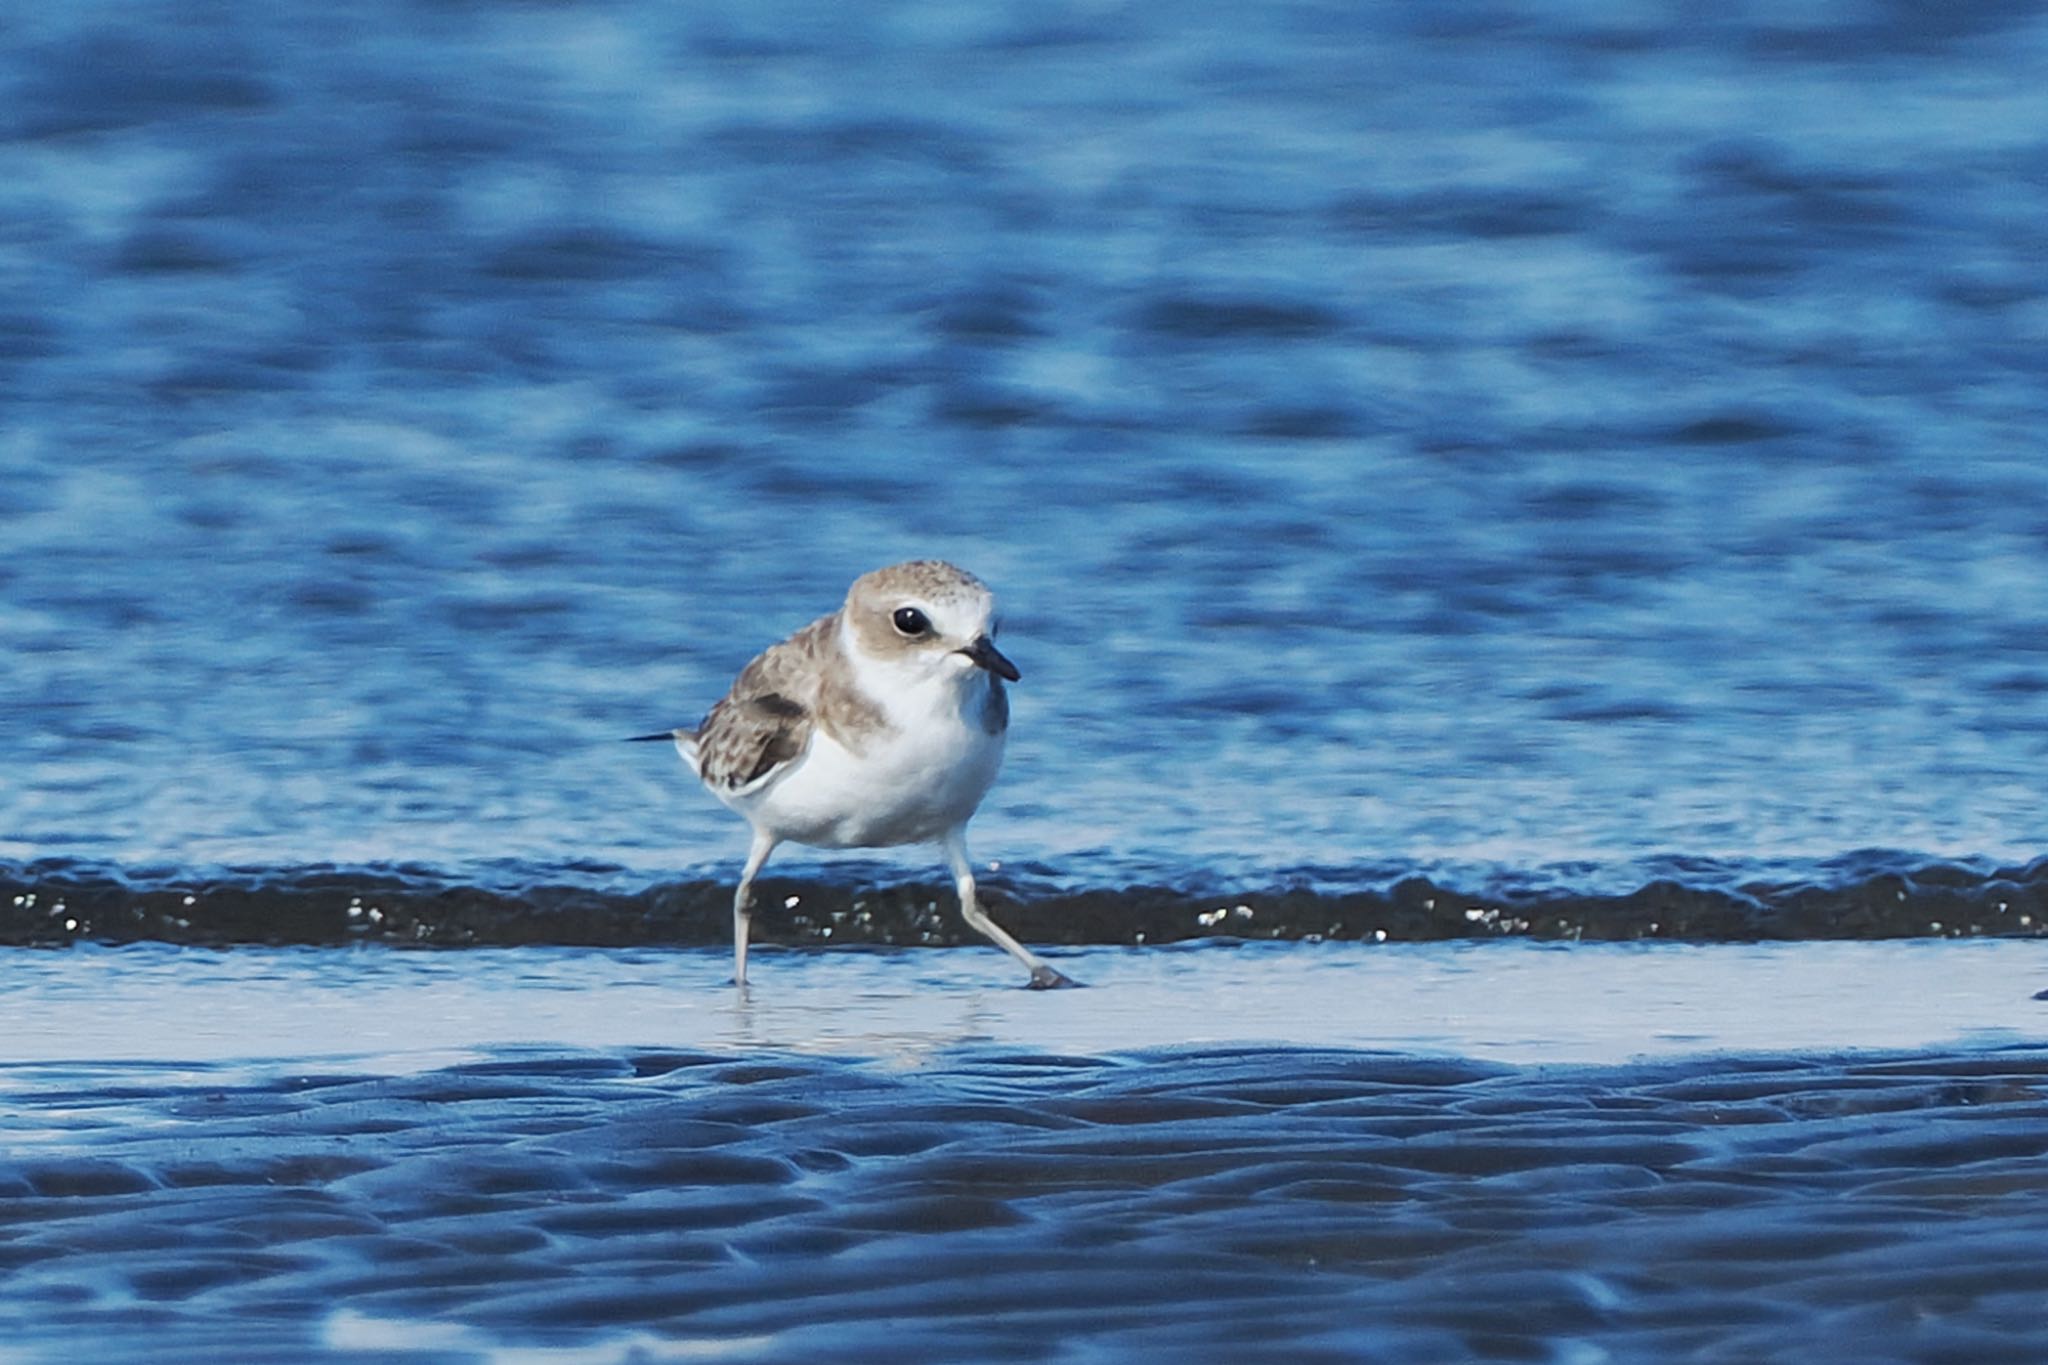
[(743, 904)]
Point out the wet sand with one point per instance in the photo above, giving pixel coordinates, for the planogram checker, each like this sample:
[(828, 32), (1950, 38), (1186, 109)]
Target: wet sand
[(1194, 1204), (1501, 1151)]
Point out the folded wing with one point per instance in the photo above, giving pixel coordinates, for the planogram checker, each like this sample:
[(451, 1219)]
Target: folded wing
[(765, 722)]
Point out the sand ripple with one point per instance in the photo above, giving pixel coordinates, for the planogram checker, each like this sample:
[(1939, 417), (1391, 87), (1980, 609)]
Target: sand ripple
[(1213, 1204)]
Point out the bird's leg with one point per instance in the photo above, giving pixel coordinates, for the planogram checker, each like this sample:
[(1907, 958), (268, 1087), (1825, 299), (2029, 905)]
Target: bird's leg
[(1043, 976), (743, 904)]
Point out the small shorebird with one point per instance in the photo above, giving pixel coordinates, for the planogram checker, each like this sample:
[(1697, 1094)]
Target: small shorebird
[(880, 724)]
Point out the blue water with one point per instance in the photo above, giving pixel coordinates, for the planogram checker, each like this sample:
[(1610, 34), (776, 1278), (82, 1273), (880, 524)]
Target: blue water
[(1487, 435)]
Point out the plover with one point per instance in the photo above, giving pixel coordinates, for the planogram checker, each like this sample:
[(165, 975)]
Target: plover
[(879, 725)]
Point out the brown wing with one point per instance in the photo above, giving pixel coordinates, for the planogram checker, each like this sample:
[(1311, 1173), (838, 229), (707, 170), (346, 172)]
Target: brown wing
[(767, 718)]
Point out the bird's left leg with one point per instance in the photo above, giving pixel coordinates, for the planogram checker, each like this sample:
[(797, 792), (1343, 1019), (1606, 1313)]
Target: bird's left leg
[(1043, 975)]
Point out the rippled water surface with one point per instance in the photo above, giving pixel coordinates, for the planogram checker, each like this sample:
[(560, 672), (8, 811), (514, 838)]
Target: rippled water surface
[(1504, 435)]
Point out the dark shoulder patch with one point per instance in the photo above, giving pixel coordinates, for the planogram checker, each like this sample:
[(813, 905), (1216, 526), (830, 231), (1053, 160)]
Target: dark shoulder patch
[(995, 712)]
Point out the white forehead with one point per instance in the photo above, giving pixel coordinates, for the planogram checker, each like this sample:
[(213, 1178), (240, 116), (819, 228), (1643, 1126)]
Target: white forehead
[(956, 601), (963, 614)]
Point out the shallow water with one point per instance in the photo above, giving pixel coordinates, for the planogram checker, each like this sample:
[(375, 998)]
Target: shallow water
[(1514, 1002), (1299, 1151)]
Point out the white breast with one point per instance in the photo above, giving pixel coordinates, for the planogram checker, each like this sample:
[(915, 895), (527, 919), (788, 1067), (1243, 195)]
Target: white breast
[(909, 783)]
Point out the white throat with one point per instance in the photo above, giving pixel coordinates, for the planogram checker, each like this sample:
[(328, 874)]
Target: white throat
[(916, 689)]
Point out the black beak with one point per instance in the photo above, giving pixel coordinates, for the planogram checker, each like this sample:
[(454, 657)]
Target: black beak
[(984, 652)]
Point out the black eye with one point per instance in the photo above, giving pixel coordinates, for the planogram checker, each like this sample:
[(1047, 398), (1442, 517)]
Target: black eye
[(911, 621)]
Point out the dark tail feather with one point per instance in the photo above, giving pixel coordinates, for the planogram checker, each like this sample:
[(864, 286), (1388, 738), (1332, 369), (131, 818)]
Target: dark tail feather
[(667, 735)]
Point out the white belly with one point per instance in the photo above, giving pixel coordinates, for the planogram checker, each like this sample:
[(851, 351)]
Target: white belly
[(906, 787)]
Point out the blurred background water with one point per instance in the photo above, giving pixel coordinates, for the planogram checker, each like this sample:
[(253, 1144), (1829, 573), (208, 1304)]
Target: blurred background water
[(1482, 434)]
